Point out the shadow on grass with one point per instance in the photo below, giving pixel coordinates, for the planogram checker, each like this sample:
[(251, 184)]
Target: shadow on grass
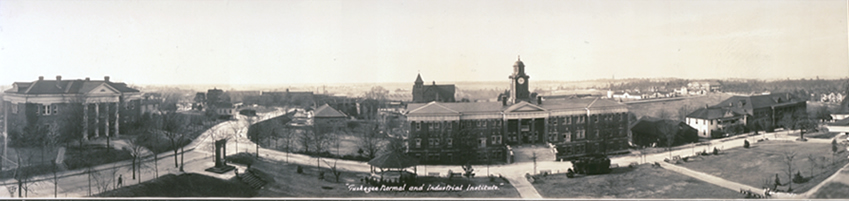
[(184, 185)]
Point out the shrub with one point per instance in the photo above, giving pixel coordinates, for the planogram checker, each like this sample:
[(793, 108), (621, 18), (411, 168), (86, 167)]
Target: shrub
[(745, 144), (300, 170), (321, 175), (798, 178), (715, 151)]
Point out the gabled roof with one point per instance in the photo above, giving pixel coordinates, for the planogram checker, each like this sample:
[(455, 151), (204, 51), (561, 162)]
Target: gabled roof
[(327, 111), (67, 86), (749, 103), (433, 108), (524, 107), (461, 107)]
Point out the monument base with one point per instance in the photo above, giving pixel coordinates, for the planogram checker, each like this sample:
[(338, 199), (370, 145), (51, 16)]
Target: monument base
[(220, 170)]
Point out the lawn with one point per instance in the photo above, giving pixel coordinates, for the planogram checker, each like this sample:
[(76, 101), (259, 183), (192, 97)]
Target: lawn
[(757, 166), (643, 181), (76, 157), (833, 190), (822, 135), (291, 184), (184, 185)]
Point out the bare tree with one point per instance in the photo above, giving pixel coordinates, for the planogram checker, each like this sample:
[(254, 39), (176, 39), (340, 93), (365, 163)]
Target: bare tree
[(369, 141), (683, 111), (813, 161), (788, 160), (171, 125), (306, 138), (135, 148), (104, 179)]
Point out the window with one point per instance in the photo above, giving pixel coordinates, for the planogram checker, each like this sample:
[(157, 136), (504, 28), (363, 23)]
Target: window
[(49, 109), (435, 142), (418, 143), (450, 142), (55, 108), (436, 125), (429, 126), (14, 108), (482, 142)]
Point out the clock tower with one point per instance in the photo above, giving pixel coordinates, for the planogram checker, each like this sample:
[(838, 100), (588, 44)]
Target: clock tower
[(519, 83)]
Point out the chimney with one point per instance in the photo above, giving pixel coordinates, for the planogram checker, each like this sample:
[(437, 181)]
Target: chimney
[(87, 79), (58, 78), (40, 77), (539, 100), (706, 106), (106, 78), (504, 101)]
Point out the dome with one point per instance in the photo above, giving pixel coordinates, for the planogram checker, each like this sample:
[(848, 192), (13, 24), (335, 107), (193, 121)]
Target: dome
[(519, 62)]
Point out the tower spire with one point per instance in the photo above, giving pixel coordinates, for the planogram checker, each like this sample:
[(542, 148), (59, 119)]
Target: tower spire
[(519, 57)]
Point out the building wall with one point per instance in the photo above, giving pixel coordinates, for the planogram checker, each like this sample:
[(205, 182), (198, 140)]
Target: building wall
[(329, 125), (441, 142)]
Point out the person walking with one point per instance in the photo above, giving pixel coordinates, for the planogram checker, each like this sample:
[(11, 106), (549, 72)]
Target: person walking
[(120, 181)]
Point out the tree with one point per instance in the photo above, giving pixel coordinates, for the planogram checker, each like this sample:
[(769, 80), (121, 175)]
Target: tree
[(377, 93), (306, 139), (136, 149), (833, 150), (171, 124), (683, 111), (261, 132), (813, 161), (788, 160), (823, 114), (805, 125), (370, 141), (787, 122), (668, 131)]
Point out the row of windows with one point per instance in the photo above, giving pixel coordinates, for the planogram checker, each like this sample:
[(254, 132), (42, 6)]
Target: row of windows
[(449, 143), (481, 155)]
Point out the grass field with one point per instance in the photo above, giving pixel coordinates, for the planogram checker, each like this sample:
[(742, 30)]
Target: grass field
[(821, 135), (758, 165), (185, 185), (654, 108), (291, 184), (642, 181), (833, 190)]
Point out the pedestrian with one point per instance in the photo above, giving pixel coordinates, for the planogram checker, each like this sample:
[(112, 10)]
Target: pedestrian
[(120, 180)]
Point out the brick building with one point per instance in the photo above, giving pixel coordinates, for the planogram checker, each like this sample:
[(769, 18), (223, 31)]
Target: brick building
[(450, 133)]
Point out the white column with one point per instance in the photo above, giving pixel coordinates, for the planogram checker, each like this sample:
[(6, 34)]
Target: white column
[(85, 121), (117, 117), (96, 119), (106, 121)]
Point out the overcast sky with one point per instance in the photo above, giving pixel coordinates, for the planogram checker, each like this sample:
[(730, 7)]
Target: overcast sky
[(349, 41)]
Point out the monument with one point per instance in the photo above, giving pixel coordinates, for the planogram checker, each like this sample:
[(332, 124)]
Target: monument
[(220, 164)]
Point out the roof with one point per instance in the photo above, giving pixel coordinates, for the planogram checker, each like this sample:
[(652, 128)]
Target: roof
[(716, 112), (327, 112), (67, 86), (749, 103), (459, 108)]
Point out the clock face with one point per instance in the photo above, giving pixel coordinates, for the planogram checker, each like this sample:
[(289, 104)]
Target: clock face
[(521, 80)]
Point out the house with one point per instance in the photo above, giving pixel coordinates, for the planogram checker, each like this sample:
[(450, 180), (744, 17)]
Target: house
[(766, 111), (98, 107), (709, 119), (328, 120), (459, 132)]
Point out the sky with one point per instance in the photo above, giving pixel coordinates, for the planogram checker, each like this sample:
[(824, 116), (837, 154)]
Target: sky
[(359, 41)]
